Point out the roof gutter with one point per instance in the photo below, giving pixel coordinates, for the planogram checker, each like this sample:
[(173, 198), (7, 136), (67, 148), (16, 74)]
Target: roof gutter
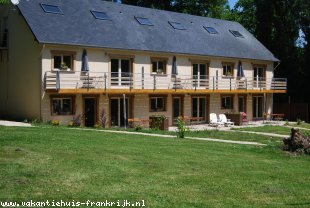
[(277, 65)]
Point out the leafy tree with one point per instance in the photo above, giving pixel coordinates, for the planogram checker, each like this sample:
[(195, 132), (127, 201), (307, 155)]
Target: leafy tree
[(4, 1)]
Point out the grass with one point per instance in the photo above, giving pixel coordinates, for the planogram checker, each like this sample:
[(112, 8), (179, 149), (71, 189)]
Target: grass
[(214, 134), (59, 163), (301, 125), (272, 129)]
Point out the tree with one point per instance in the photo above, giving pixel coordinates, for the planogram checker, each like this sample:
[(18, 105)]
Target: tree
[(210, 8)]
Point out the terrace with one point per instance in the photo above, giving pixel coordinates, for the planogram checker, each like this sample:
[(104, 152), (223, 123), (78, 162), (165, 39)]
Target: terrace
[(102, 82)]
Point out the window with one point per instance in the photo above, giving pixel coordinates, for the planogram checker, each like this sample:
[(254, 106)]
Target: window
[(177, 25), (227, 102), (236, 33), (157, 104), (63, 60), (51, 9), (100, 15), (144, 21), (62, 106), (228, 69), (210, 30), (159, 65)]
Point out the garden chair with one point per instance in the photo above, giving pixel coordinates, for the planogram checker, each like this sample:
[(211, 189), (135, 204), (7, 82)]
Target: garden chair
[(226, 121), (214, 121)]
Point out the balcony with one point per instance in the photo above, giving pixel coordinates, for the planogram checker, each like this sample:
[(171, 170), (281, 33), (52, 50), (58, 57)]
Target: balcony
[(100, 82)]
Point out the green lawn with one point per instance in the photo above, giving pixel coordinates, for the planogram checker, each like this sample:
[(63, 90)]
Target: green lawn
[(216, 134), (272, 129), (65, 164), (302, 125)]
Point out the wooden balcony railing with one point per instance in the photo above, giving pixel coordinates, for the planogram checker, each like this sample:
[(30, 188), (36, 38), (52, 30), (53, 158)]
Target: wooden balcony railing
[(108, 81)]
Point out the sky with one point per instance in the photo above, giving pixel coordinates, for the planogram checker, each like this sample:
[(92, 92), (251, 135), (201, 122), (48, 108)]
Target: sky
[(232, 3)]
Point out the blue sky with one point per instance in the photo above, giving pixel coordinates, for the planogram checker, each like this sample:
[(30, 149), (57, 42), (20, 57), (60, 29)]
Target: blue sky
[(232, 3)]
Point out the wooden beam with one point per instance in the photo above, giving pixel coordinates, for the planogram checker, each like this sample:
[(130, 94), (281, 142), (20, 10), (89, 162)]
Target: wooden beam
[(161, 91)]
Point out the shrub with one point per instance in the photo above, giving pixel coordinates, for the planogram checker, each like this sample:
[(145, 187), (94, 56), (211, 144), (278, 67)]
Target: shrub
[(286, 123), (55, 122), (297, 142), (299, 121), (138, 127), (182, 129)]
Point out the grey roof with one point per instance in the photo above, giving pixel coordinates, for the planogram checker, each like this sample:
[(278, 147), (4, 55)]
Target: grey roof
[(77, 26)]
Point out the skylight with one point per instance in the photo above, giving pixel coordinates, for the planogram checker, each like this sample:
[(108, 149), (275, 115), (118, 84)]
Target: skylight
[(144, 21), (210, 30), (236, 33), (51, 9), (100, 15), (177, 25)]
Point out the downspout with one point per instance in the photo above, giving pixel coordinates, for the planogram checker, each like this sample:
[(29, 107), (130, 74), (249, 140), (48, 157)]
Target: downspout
[(278, 63), (41, 81)]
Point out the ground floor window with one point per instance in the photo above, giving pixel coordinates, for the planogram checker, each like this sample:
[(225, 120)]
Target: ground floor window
[(119, 111), (62, 106), (227, 102), (157, 104)]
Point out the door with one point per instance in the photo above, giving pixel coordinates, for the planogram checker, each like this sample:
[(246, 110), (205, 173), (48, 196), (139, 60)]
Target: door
[(242, 104), (120, 72), (259, 76), (90, 111), (200, 75), (177, 108), (258, 107), (199, 108), (119, 112)]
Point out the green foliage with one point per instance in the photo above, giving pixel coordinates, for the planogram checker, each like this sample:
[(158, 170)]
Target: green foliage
[(286, 122), (138, 127), (55, 122), (4, 1), (182, 129), (299, 121)]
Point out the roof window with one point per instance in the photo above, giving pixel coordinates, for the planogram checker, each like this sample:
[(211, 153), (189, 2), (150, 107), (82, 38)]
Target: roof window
[(177, 25), (210, 30), (144, 21), (100, 15), (236, 33), (51, 9)]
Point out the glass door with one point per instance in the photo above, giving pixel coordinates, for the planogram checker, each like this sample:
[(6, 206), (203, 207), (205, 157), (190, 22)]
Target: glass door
[(258, 107), (259, 76), (117, 112), (200, 75), (120, 72), (177, 108), (199, 105)]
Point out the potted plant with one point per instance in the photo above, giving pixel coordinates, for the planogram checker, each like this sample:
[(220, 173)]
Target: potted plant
[(63, 66)]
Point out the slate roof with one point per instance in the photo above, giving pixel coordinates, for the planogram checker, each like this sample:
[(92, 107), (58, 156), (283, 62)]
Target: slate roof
[(77, 26)]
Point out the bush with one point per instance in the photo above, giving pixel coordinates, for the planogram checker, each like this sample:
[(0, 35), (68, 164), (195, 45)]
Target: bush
[(182, 129), (138, 128), (76, 122), (286, 123), (297, 142), (299, 121), (55, 122)]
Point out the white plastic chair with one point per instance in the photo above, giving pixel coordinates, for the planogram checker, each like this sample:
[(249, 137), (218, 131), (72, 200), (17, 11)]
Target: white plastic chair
[(226, 121), (214, 121)]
